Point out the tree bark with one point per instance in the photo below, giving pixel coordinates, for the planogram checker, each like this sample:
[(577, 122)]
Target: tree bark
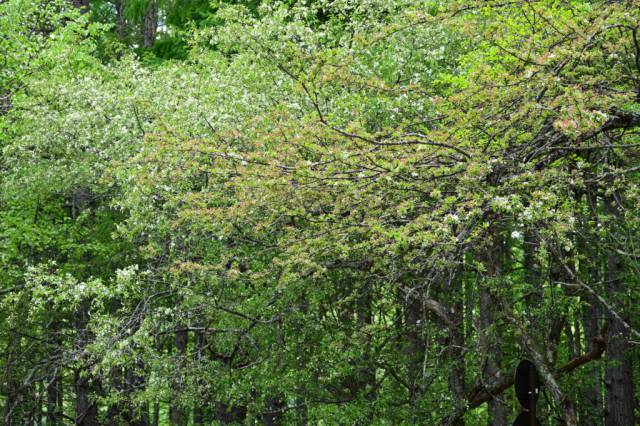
[(121, 22), (86, 411), (413, 346), (177, 413), (456, 339), (620, 401), (138, 416), (199, 414), (591, 413), (155, 420), (532, 267), (367, 375), (150, 25), (498, 411)]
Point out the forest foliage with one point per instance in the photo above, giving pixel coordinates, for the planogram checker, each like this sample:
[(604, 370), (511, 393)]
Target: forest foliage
[(333, 212)]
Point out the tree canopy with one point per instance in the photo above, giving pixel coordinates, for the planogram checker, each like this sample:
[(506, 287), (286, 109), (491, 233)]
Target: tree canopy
[(332, 212)]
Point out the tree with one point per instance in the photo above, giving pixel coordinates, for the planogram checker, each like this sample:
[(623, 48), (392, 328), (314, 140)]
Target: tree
[(359, 212)]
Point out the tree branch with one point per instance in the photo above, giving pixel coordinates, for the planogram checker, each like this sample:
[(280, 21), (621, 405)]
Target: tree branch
[(486, 393)]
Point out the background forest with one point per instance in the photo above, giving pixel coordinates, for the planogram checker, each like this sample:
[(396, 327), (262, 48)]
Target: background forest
[(331, 212)]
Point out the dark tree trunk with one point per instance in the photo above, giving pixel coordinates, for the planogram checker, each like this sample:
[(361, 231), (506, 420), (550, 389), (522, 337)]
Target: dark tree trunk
[(86, 409), (367, 377), (176, 412), (591, 413), (199, 412), (156, 414), (455, 337), (138, 416), (592, 401), (121, 22), (150, 25), (559, 322), (413, 347), (498, 411), (620, 401), (115, 412), (532, 267)]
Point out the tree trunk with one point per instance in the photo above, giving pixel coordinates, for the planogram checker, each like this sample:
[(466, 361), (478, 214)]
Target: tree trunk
[(413, 347), (498, 411), (86, 411), (591, 413), (199, 413), (121, 23), (177, 413), (9, 391), (532, 267), (156, 414), (455, 338), (367, 375), (150, 25), (138, 416), (620, 403)]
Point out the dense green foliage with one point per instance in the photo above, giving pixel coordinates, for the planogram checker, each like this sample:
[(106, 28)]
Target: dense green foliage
[(318, 212)]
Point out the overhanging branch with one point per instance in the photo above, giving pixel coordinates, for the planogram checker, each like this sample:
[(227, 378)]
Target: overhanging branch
[(486, 393)]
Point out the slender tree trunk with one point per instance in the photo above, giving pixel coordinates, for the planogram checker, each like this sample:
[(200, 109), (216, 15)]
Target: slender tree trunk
[(156, 414), (138, 416), (592, 394), (456, 339), (86, 411), (121, 22), (199, 417), (620, 400), (365, 319), (498, 411), (150, 25), (177, 413), (532, 267), (413, 348), (591, 413), (362, 381), (9, 390)]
